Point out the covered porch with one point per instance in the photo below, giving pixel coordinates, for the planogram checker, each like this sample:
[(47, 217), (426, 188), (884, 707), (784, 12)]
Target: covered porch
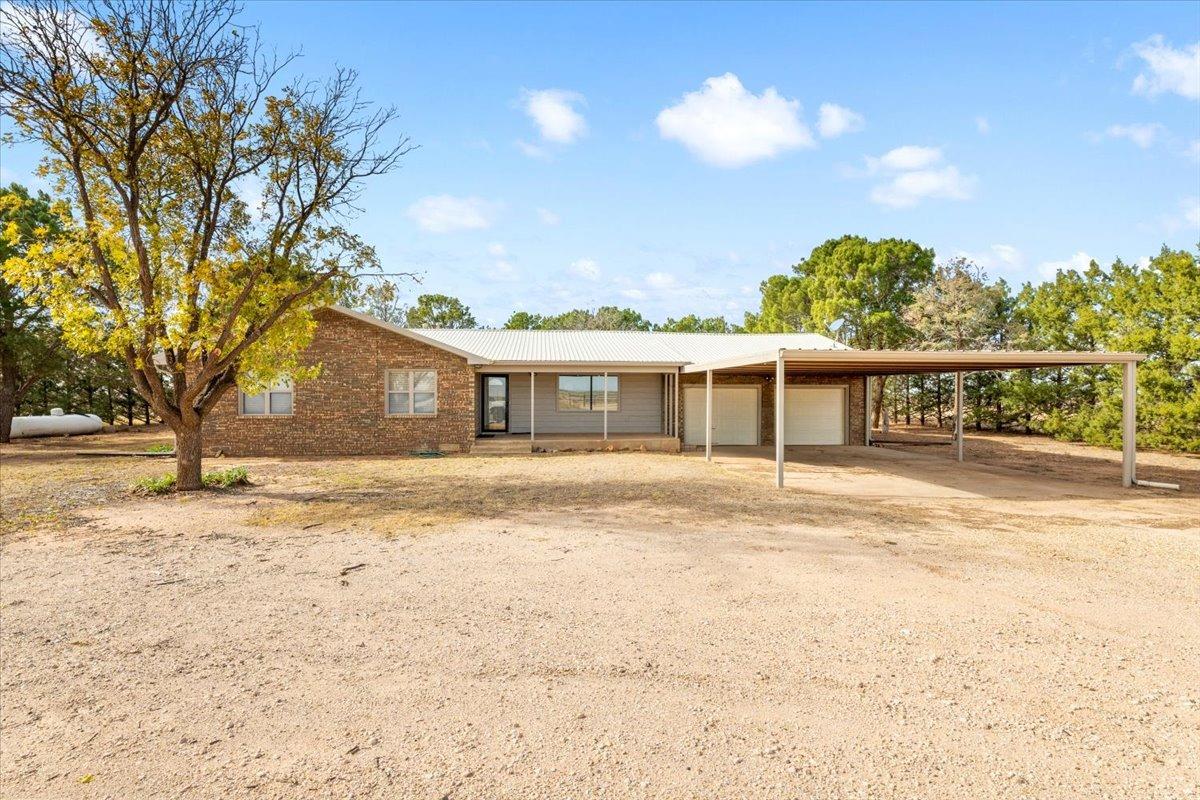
[(781, 367), (546, 409)]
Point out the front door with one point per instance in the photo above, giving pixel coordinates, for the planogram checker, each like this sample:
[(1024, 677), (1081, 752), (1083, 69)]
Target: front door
[(495, 403)]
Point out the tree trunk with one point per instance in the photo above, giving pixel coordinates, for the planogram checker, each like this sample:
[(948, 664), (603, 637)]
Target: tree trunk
[(188, 445), (877, 401), (8, 406), (921, 400), (937, 383), (908, 399)]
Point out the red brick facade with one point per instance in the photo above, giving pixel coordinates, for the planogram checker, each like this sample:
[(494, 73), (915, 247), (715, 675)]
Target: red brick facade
[(342, 411), (855, 398)]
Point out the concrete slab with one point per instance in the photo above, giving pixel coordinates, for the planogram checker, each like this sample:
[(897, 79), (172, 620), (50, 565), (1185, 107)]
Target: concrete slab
[(875, 472)]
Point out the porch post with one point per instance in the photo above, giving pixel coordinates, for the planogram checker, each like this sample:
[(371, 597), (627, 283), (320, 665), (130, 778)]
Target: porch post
[(675, 391), (780, 395), (1129, 424), (532, 380), (867, 410), (958, 414), (606, 405), (708, 415)]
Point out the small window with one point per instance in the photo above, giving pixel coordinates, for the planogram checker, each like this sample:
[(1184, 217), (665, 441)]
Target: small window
[(276, 401), (411, 392), (586, 392)]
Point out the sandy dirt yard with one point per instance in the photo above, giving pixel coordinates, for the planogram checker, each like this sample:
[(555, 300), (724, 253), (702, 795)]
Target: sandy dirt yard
[(602, 626)]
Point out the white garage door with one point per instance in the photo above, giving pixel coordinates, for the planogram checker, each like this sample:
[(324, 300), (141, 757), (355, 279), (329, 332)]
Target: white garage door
[(736, 412), (815, 415)]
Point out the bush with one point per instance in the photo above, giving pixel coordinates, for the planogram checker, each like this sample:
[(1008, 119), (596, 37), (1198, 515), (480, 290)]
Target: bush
[(217, 479), (161, 448), (160, 485), (226, 478)]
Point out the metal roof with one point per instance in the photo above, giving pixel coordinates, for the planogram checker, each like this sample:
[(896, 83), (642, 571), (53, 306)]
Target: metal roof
[(618, 347), (907, 362)]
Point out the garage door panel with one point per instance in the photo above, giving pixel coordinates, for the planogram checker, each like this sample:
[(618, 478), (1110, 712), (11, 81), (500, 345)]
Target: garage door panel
[(815, 415), (736, 413)]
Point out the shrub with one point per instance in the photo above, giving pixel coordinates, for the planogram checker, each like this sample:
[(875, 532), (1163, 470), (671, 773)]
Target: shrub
[(160, 485), (226, 478), (217, 479)]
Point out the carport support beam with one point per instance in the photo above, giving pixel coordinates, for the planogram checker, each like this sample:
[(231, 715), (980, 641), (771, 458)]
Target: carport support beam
[(1129, 424), (780, 394), (532, 380), (708, 415), (867, 410), (958, 414)]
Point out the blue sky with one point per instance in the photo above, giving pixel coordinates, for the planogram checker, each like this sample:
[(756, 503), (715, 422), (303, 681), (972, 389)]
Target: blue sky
[(670, 157)]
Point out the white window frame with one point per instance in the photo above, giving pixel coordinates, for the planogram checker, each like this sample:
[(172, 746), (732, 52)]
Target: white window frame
[(283, 386), (412, 377), (592, 393)]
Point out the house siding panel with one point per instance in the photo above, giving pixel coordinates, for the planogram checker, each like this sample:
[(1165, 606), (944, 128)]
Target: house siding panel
[(641, 406), (854, 401), (341, 411)]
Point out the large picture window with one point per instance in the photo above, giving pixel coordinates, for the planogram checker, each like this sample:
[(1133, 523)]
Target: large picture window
[(586, 392), (274, 402), (411, 392)]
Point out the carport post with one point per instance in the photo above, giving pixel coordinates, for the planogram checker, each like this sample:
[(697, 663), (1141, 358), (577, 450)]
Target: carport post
[(532, 379), (1129, 424), (675, 408), (708, 415), (958, 414), (867, 410), (780, 393)]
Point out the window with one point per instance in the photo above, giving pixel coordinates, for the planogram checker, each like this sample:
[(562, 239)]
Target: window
[(411, 392), (274, 402), (586, 393)]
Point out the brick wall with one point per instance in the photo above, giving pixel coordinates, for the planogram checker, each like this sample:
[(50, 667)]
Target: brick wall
[(855, 397), (341, 412)]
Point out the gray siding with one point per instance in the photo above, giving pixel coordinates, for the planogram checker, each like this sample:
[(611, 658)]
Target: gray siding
[(641, 406)]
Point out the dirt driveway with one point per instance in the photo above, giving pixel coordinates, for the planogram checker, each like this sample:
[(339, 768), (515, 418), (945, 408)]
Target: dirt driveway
[(610, 625)]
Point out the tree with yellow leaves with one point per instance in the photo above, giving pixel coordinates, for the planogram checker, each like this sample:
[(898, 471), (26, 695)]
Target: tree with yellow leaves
[(207, 213)]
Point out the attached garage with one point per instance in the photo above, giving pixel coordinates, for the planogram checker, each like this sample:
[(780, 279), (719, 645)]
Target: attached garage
[(816, 415), (736, 415)]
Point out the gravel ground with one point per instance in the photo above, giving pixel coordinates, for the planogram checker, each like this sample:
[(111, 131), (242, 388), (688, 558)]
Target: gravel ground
[(618, 625)]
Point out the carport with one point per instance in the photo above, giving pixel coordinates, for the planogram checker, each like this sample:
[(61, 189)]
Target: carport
[(871, 363)]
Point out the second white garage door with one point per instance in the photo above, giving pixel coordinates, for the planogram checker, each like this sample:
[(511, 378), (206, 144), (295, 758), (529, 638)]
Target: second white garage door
[(815, 415), (736, 411)]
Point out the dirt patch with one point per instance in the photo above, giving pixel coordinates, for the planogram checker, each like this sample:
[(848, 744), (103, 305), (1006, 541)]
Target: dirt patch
[(620, 625)]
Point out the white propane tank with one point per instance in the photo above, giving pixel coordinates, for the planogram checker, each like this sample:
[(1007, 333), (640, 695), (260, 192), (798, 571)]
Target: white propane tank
[(56, 424)]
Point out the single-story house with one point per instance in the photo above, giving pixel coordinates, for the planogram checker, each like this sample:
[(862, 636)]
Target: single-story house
[(387, 390)]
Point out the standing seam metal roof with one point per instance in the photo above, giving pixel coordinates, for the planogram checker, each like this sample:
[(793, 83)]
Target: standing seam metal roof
[(619, 347)]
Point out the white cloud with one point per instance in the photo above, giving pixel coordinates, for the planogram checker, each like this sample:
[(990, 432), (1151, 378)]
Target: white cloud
[(997, 257), (983, 125), (497, 250), (914, 176), (532, 150), (907, 189), (660, 280), (585, 268), (909, 156), (834, 120), (548, 217), (1168, 69), (727, 126), (1142, 134), (1193, 151), (633, 294), (1188, 217), (503, 271), (1078, 262), (554, 113), (443, 213)]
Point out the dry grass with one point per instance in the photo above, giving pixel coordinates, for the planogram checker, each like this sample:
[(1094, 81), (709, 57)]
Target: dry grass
[(391, 495)]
